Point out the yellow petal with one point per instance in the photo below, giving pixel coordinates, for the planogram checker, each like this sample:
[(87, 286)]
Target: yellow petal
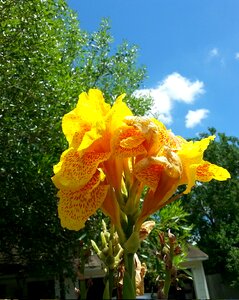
[(92, 106), (88, 114), (207, 171), (74, 128), (150, 169), (75, 207), (94, 134), (117, 114), (152, 130), (189, 177), (192, 152), (191, 155), (127, 141), (155, 200), (77, 168)]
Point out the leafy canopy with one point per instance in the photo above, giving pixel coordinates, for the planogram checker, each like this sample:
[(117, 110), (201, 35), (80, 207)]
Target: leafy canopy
[(46, 60), (214, 209)]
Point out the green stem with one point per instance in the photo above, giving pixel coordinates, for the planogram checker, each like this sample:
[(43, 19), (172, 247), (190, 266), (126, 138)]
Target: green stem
[(106, 294), (111, 282), (109, 285), (167, 283), (83, 290), (129, 290)]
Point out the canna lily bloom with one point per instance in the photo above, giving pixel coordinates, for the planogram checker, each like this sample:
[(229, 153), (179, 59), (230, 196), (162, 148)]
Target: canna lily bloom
[(113, 156), (112, 160)]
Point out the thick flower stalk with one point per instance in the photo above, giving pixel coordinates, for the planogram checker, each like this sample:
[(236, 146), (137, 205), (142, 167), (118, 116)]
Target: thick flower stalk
[(110, 254), (112, 158)]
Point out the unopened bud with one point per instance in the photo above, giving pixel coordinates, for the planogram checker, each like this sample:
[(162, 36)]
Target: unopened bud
[(105, 251), (161, 238), (172, 237), (103, 239), (177, 250), (95, 247)]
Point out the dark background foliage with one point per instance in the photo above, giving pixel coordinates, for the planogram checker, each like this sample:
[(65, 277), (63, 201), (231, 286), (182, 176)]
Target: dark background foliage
[(46, 60)]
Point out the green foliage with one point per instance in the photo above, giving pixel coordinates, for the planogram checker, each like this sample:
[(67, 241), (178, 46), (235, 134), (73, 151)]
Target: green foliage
[(214, 209), (172, 217), (35, 72), (46, 60)]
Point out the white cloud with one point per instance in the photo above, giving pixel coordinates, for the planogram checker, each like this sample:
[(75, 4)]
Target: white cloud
[(237, 56), (194, 117), (214, 52), (173, 88)]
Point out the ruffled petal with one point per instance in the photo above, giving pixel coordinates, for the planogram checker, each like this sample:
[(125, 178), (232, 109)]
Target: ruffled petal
[(74, 128), (127, 142), (77, 168), (152, 130), (92, 106), (115, 117), (87, 116), (75, 207), (149, 170), (207, 171), (191, 155)]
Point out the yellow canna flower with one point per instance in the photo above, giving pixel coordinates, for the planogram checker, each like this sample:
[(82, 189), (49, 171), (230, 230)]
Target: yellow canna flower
[(113, 156)]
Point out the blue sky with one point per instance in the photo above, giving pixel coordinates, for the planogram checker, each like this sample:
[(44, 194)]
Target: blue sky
[(191, 51)]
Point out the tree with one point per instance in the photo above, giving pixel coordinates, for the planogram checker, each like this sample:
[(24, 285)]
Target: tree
[(214, 209), (46, 61)]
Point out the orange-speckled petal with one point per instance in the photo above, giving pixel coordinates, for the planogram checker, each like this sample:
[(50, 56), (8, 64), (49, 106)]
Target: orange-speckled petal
[(127, 142), (155, 200), (76, 168), (194, 167), (149, 169), (75, 207), (153, 131), (174, 141), (207, 171)]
